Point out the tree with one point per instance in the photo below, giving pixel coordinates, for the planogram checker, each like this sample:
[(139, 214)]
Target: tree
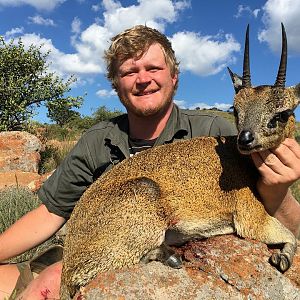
[(61, 111), (26, 83), (103, 114)]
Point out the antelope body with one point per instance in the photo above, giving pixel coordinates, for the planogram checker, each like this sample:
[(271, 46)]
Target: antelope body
[(188, 189)]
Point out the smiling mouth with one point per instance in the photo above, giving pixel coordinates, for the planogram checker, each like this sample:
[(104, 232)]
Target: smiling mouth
[(145, 93)]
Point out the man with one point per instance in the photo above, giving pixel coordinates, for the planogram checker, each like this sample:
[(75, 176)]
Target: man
[(143, 70)]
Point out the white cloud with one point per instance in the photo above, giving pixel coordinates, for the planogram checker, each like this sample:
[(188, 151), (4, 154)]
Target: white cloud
[(243, 9), (38, 4), (61, 63), (204, 55), (105, 93), (76, 24), (37, 19), (256, 12), (91, 43), (96, 7), (202, 105), (181, 103), (275, 12), (14, 31), (182, 4), (154, 13)]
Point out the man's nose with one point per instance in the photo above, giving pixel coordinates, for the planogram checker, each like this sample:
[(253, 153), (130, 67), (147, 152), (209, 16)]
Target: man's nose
[(143, 77)]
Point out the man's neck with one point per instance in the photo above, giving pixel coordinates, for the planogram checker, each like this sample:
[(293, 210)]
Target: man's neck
[(148, 128)]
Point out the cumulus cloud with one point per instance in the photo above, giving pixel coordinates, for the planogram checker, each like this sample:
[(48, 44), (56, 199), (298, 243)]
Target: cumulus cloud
[(76, 24), (91, 42), (96, 7), (106, 93), (202, 105), (275, 12), (61, 63), (154, 13), (199, 54), (39, 20), (243, 9), (204, 55), (38, 4), (14, 31)]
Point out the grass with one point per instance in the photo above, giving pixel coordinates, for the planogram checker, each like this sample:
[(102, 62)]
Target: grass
[(53, 154), (14, 203)]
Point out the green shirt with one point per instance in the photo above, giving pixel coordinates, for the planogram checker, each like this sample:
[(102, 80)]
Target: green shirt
[(106, 144)]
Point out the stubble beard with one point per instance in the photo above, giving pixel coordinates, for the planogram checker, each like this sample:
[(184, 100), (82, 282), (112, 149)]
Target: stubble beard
[(148, 112)]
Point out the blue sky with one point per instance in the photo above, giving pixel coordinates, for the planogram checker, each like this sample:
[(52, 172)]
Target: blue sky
[(206, 35)]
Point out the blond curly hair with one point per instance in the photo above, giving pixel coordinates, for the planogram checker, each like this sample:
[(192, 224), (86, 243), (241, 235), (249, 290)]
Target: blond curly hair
[(133, 43)]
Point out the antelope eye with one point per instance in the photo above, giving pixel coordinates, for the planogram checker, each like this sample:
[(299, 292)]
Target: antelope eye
[(281, 117), (284, 115)]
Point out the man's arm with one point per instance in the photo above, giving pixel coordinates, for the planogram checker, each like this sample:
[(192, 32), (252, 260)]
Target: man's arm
[(29, 231), (279, 169)]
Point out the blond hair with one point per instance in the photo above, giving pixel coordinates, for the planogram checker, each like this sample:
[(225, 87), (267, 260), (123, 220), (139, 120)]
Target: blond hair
[(133, 43)]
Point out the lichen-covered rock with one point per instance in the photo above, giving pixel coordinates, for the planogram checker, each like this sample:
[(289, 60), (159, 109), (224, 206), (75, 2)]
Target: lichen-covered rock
[(19, 150), (222, 267)]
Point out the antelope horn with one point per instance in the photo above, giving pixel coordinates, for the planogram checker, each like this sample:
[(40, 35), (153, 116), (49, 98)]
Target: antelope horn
[(246, 81), (280, 80)]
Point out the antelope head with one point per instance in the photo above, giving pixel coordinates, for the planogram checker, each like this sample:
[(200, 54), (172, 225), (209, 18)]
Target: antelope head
[(264, 114)]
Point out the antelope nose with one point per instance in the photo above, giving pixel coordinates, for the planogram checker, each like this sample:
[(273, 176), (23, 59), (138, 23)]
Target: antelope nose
[(245, 138)]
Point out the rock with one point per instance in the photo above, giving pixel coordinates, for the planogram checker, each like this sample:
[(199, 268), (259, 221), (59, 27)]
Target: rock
[(17, 178), (25, 179), (19, 150), (34, 185), (222, 267)]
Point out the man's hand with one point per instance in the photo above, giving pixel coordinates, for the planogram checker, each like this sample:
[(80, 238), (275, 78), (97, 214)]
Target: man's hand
[(279, 169), (281, 165)]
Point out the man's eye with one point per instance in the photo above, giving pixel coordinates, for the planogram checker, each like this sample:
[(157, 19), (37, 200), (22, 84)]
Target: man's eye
[(154, 69), (283, 117), (127, 73)]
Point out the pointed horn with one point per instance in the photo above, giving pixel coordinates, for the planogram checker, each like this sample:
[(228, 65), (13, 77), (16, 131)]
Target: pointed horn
[(246, 82), (280, 80)]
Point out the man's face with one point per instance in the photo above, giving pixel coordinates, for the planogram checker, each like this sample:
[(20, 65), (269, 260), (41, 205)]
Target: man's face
[(145, 85)]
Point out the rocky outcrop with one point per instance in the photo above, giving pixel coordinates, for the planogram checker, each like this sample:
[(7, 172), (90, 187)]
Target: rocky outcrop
[(222, 267), (31, 180), (19, 160), (19, 151)]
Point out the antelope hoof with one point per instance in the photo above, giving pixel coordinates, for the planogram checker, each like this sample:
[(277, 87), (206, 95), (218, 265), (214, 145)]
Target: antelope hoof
[(174, 261), (281, 261)]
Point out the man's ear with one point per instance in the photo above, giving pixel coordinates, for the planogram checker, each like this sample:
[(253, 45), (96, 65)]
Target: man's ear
[(175, 78), (236, 80)]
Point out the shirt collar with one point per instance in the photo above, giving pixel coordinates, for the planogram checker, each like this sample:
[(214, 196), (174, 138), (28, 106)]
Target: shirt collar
[(177, 127)]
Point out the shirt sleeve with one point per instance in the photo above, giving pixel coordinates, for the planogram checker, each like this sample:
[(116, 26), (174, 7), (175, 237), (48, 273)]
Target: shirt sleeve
[(69, 181), (222, 127)]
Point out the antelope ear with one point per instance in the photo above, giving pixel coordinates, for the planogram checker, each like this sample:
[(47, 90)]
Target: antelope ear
[(297, 93), (295, 101), (236, 80)]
